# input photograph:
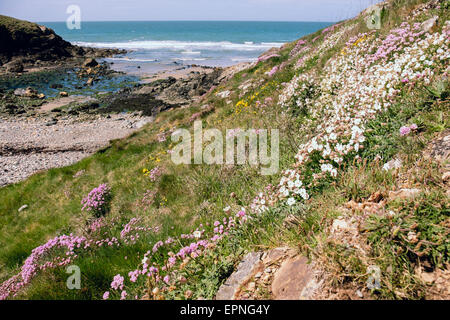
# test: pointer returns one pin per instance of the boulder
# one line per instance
(28, 92)
(89, 63)
(404, 194)
(295, 280)
(249, 266)
(429, 24)
(14, 67)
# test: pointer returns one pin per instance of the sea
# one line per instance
(163, 45)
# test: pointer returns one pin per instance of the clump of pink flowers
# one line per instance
(273, 71)
(97, 201)
(267, 57)
(405, 130)
(154, 174)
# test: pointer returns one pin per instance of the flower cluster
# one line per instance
(153, 174)
(97, 201)
(267, 57)
(405, 130)
(360, 83)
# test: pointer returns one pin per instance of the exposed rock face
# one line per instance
(249, 266)
(22, 38)
(182, 91)
(280, 272)
(26, 43)
(291, 279)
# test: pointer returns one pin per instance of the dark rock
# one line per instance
(51, 123)
(89, 63)
(14, 67)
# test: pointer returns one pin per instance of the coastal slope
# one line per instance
(358, 210)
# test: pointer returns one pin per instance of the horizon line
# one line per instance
(287, 21)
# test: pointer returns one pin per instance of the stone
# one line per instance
(14, 67)
(25, 206)
(291, 279)
(63, 94)
(429, 24)
(90, 82)
(439, 150)
(28, 92)
(223, 94)
(339, 224)
(251, 286)
(273, 256)
(89, 63)
(404, 194)
(248, 267)
(51, 123)
(446, 176)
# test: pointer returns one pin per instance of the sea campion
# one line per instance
(97, 201)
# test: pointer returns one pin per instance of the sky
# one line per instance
(149, 10)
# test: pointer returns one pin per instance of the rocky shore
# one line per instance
(39, 132)
(28, 46)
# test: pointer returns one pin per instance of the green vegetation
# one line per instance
(398, 235)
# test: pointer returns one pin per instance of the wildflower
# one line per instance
(291, 201)
(117, 282)
(166, 279)
(197, 234)
(404, 131)
(106, 295)
(123, 295)
(97, 200)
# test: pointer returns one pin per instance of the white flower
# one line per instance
(291, 201)
(197, 234)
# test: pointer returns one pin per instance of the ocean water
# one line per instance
(156, 46)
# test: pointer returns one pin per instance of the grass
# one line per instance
(189, 195)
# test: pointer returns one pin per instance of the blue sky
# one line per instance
(260, 10)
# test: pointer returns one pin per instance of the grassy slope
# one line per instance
(189, 195)
(16, 25)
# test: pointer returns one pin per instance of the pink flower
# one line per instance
(405, 131)
(124, 295)
(166, 279)
(413, 126)
(273, 71)
(106, 295)
(117, 282)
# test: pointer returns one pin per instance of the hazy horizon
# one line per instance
(188, 10)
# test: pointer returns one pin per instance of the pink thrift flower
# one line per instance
(405, 131)
(106, 295)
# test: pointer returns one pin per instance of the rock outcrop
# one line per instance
(25, 43)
